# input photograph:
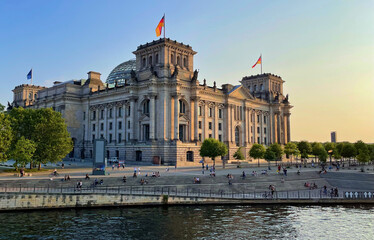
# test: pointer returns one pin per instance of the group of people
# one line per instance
(311, 185)
(66, 178)
(230, 178)
(79, 185)
(118, 166)
(97, 182)
(272, 189)
(143, 181)
(284, 170)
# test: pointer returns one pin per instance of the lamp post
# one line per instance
(330, 153)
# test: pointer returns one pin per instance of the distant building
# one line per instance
(156, 109)
(333, 137)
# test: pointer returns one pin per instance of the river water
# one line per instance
(193, 222)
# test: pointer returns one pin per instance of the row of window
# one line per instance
(255, 89)
(110, 140)
(173, 60)
(210, 112)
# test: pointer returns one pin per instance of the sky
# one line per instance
(324, 50)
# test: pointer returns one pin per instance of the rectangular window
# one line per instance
(251, 118)
(258, 139)
(119, 125)
(200, 124)
(128, 124)
(200, 111)
(128, 136)
(119, 137)
(258, 118)
(146, 132)
(110, 138)
(210, 125)
(93, 138)
(102, 114)
(219, 126)
(120, 112)
(101, 136)
(252, 129)
(84, 115)
(258, 129)
(110, 112)
(220, 137)
(94, 115)
(210, 135)
(128, 110)
(93, 127)
(265, 119)
(200, 137)
(210, 112)
(110, 126)
(220, 113)
(241, 113)
(265, 130)
(102, 126)
(266, 143)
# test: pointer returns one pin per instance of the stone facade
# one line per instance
(163, 113)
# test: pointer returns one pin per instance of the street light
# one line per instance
(330, 153)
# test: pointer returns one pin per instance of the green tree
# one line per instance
(371, 151)
(257, 151)
(47, 129)
(238, 155)
(348, 151)
(319, 150)
(277, 150)
(270, 155)
(213, 148)
(338, 150)
(23, 152)
(363, 156)
(2, 108)
(305, 149)
(6, 136)
(291, 150)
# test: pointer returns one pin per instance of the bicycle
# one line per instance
(267, 195)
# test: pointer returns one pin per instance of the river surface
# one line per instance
(193, 222)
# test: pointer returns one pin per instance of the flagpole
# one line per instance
(31, 76)
(261, 63)
(164, 27)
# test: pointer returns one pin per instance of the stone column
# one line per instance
(205, 121)
(245, 109)
(245, 130)
(232, 129)
(132, 119)
(171, 118)
(262, 127)
(227, 132)
(278, 128)
(176, 117)
(254, 127)
(114, 124)
(152, 117)
(288, 128)
(196, 118)
(215, 122)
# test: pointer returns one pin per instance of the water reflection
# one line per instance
(192, 222)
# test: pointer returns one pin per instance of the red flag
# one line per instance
(159, 26)
(258, 62)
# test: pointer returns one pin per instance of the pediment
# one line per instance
(184, 118)
(144, 118)
(241, 93)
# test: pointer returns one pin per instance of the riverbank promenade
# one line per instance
(260, 185)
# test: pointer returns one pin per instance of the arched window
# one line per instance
(172, 58)
(261, 87)
(35, 95)
(178, 60)
(237, 136)
(249, 87)
(150, 62)
(143, 63)
(146, 107)
(185, 62)
(156, 58)
(255, 88)
(182, 107)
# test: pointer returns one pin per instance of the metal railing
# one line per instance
(185, 192)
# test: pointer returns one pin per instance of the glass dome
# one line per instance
(121, 72)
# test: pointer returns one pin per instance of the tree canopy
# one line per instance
(6, 136)
(277, 150)
(305, 148)
(270, 155)
(23, 152)
(290, 149)
(213, 148)
(46, 129)
(238, 155)
(257, 151)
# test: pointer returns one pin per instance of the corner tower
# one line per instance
(163, 56)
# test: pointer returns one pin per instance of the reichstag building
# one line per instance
(155, 109)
